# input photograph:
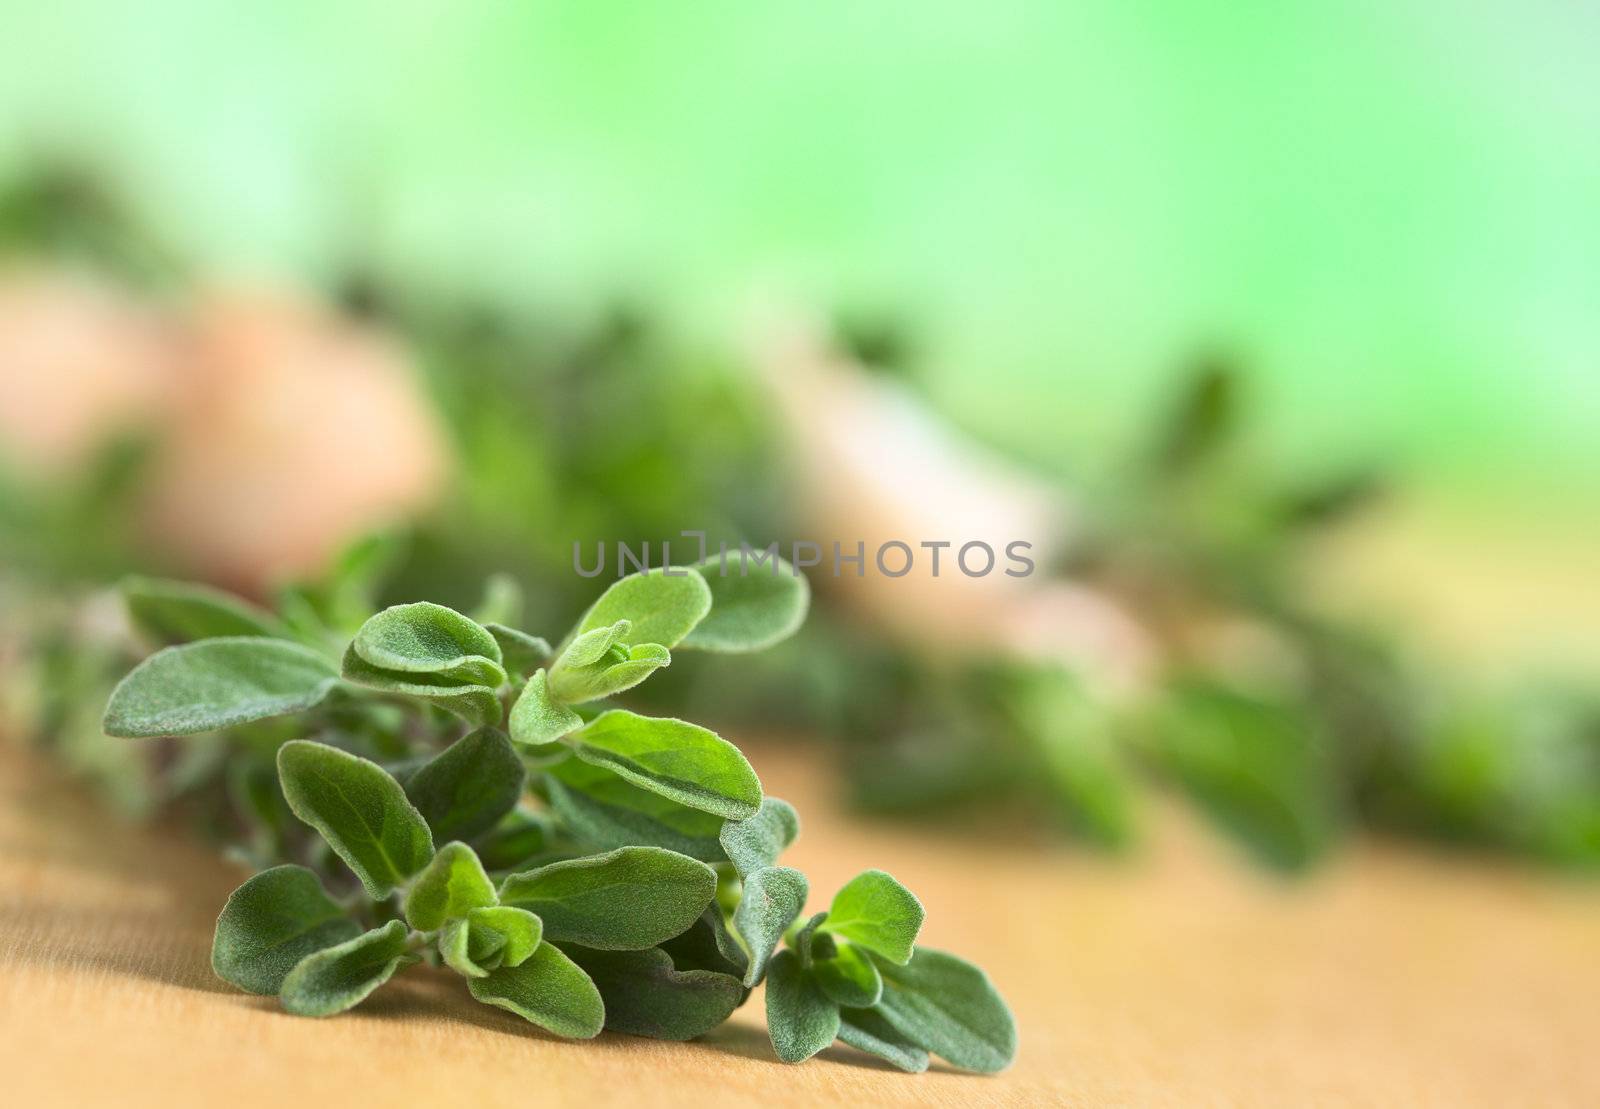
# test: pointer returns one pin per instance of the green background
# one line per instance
(1392, 210)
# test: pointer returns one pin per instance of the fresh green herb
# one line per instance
(593, 869)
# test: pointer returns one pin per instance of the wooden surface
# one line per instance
(1177, 978)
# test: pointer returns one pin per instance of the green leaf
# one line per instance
(752, 606)
(849, 977)
(757, 841)
(772, 900)
(217, 683)
(1258, 767)
(605, 811)
(595, 644)
(520, 652)
(622, 668)
(645, 995)
(519, 837)
(800, 1019)
(501, 603)
(866, 1030)
(334, 979)
(688, 763)
(270, 923)
(537, 718)
(521, 931)
(357, 575)
(548, 989)
(453, 883)
(950, 1007)
(477, 704)
(810, 935)
(425, 638)
(359, 809)
(468, 787)
(470, 952)
(489, 937)
(662, 607)
(878, 913)
(181, 612)
(708, 945)
(630, 898)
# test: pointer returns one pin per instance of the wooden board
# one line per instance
(1179, 978)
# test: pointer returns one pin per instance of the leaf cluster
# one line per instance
(478, 805)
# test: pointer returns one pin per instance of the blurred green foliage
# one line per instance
(619, 428)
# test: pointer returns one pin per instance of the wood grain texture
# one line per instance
(1178, 977)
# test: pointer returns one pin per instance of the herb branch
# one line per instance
(580, 865)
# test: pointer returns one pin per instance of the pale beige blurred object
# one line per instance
(294, 431)
(877, 465)
(80, 362)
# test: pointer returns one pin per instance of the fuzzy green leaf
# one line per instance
(605, 811)
(800, 1019)
(521, 836)
(471, 952)
(359, 809)
(772, 900)
(489, 937)
(453, 884)
(645, 995)
(468, 787)
(181, 612)
(708, 945)
(866, 1030)
(520, 652)
(849, 977)
(521, 931)
(628, 899)
(690, 764)
(477, 704)
(878, 913)
(538, 718)
(501, 603)
(425, 638)
(336, 978)
(621, 668)
(662, 607)
(548, 989)
(217, 683)
(594, 645)
(950, 1007)
(757, 841)
(810, 935)
(270, 923)
(752, 606)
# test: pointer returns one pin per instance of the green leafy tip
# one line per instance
(538, 718)
(880, 914)
(451, 886)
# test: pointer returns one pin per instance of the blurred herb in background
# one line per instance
(1285, 726)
